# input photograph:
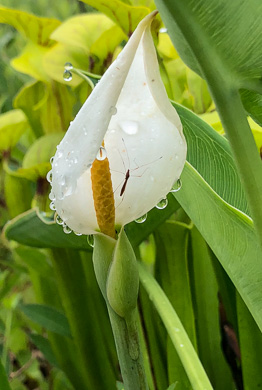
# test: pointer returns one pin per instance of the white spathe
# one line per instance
(129, 110)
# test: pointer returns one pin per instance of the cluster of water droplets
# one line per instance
(67, 75)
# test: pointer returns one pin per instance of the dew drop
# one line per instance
(176, 186)
(162, 204)
(67, 75)
(59, 220)
(113, 110)
(129, 127)
(52, 160)
(77, 234)
(51, 196)
(67, 229)
(163, 30)
(59, 154)
(49, 176)
(52, 206)
(181, 345)
(68, 66)
(90, 240)
(101, 155)
(141, 219)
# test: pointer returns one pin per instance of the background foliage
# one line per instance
(202, 249)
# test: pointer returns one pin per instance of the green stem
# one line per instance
(128, 347)
(187, 354)
(8, 325)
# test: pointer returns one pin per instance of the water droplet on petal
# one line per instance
(67, 229)
(49, 176)
(51, 196)
(51, 160)
(68, 66)
(141, 219)
(67, 75)
(162, 204)
(90, 240)
(78, 234)
(113, 110)
(129, 127)
(101, 155)
(52, 206)
(59, 220)
(176, 186)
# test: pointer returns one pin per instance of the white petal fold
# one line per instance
(129, 110)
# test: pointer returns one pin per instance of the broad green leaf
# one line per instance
(105, 46)
(165, 47)
(81, 31)
(3, 378)
(209, 153)
(126, 16)
(237, 49)
(229, 233)
(251, 347)
(48, 317)
(12, 125)
(229, 59)
(35, 28)
(30, 61)
(41, 235)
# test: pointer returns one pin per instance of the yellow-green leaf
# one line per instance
(35, 28)
(30, 61)
(124, 15)
(12, 125)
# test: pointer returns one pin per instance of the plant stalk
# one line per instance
(127, 342)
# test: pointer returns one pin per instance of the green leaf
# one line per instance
(180, 339)
(35, 28)
(44, 346)
(237, 49)
(3, 378)
(205, 292)
(229, 233)
(12, 125)
(36, 162)
(48, 317)
(87, 41)
(36, 261)
(250, 339)
(18, 194)
(30, 97)
(30, 229)
(126, 16)
(30, 61)
(173, 273)
(209, 153)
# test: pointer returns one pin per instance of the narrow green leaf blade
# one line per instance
(3, 378)
(48, 317)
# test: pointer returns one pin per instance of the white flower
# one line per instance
(130, 112)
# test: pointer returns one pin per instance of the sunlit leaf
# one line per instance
(12, 126)
(35, 28)
(126, 16)
(30, 61)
